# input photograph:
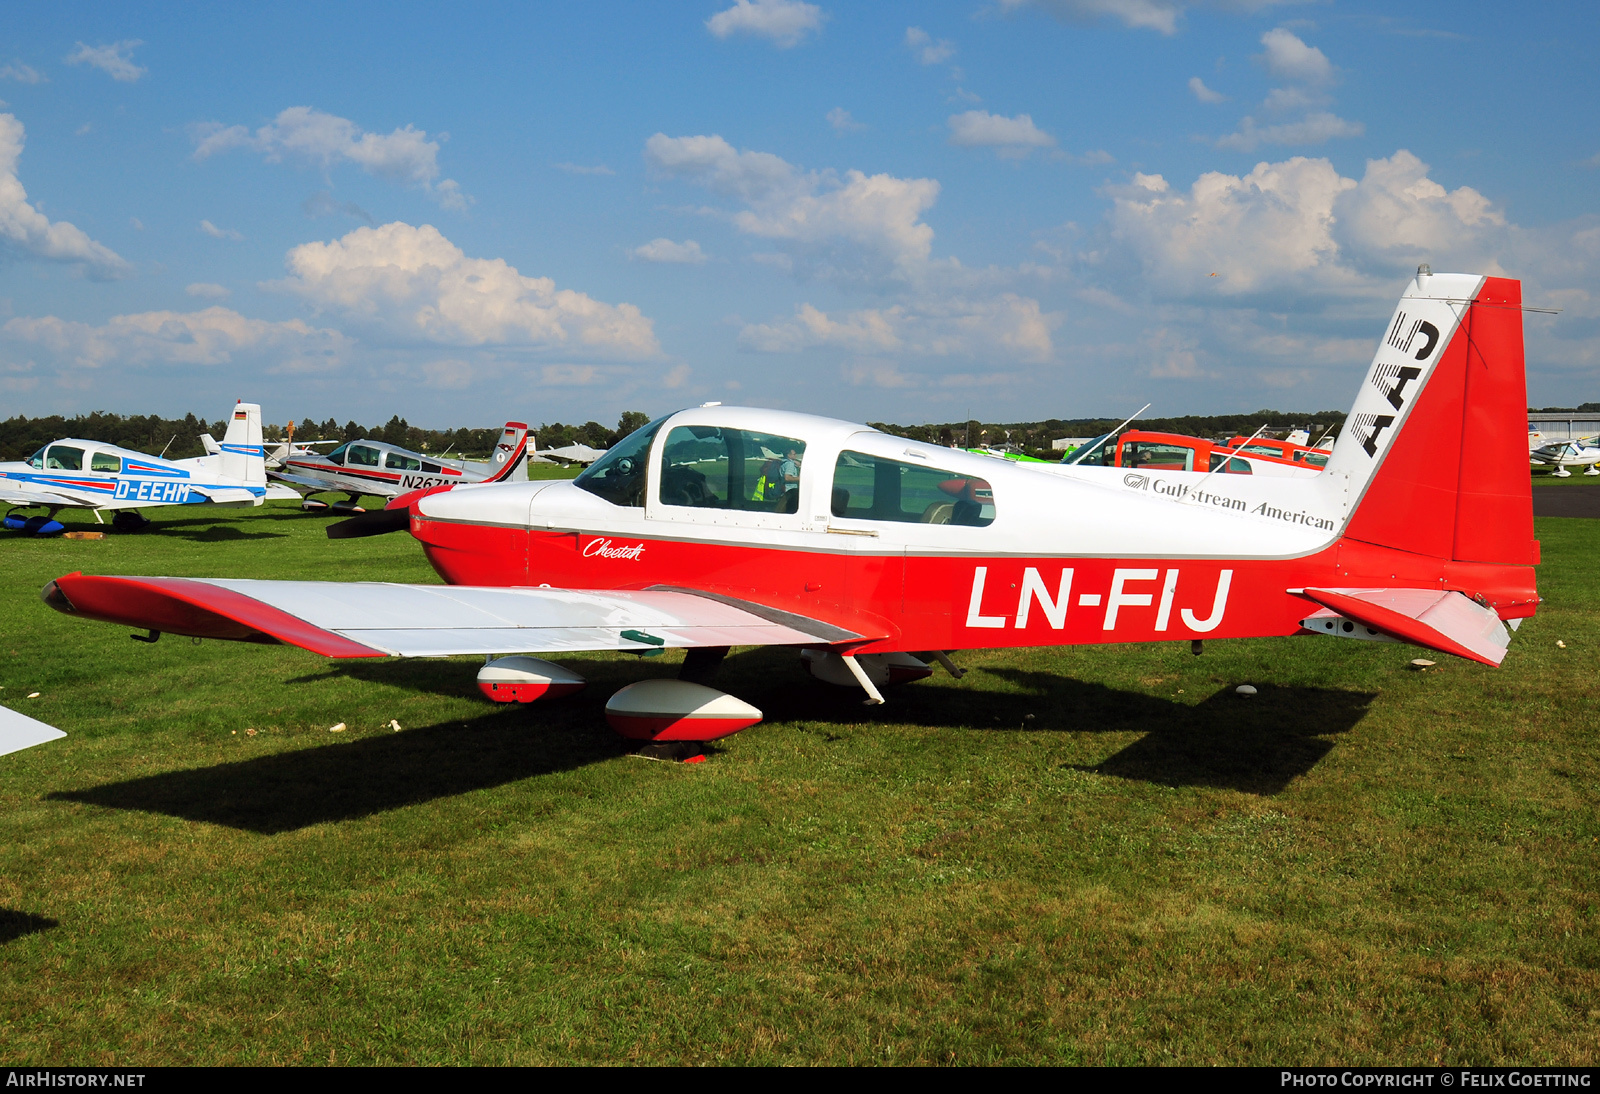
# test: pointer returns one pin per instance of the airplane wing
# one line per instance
(337, 619)
(279, 492)
(18, 731)
(39, 497)
(299, 480)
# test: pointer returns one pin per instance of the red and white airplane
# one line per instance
(722, 526)
(379, 469)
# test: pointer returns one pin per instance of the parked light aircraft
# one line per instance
(1419, 530)
(79, 474)
(1584, 452)
(379, 469)
(1155, 451)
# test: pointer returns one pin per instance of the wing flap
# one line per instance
(373, 620)
(1446, 621)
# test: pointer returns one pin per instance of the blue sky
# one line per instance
(1005, 209)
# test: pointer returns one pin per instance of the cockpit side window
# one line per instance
(712, 467)
(397, 461)
(361, 456)
(106, 462)
(64, 458)
(619, 475)
(873, 488)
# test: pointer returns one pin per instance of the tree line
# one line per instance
(179, 438)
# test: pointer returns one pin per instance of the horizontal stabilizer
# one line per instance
(18, 731)
(336, 619)
(1445, 621)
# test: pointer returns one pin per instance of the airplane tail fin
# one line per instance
(1433, 458)
(210, 445)
(244, 456)
(510, 458)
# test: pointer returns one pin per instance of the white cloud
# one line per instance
(842, 122)
(450, 374)
(1198, 88)
(23, 74)
(209, 337)
(136, 224)
(1157, 15)
(1312, 129)
(1007, 324)
(928, 52)
(83, 130)
(783, 22)
(1009, 137)
(115, 60)
(214, 232)
(1299, 227)
(665, 250)
(25, 230)
(414, 284)
(580, 169)
(846, 226)
(1289, 57)
(207, 291)
(314, 138)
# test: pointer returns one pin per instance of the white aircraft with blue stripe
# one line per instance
(79, 474)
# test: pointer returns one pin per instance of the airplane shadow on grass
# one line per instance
(15, 924)
(1256, 745)
(352, 779)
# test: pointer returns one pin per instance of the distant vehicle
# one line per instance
(80, 474)
(1584, 452)
(369, 468)
(1282, 450)
(1153, 451)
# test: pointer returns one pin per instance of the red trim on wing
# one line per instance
(178, 606)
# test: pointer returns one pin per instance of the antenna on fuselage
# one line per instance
(1109, 436)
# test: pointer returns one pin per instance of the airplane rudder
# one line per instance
(1494, 513)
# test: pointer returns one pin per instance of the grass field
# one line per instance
(1098, 855)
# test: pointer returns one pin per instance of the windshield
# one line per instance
(618, 476)
(36, 461)
(713, 467)
(337, 455)
(1095, 452)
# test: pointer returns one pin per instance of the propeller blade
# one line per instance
(378, 523)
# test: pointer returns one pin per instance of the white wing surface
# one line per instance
(374, 620)
(18, 731)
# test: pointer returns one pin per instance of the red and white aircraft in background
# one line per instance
(379, 469)
(720, 526)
